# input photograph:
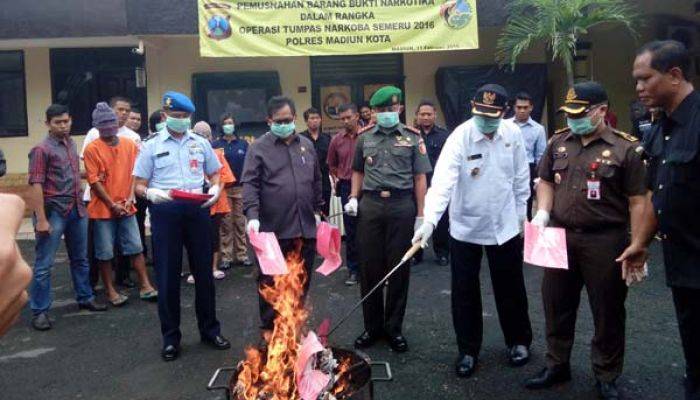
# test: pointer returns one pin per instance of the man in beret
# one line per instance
(177, 158)
(592, 183)
(484, 175)
(389, 167)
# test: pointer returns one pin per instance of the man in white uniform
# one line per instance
(483, 174)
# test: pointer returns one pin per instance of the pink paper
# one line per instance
(323, 331)
(309, 346)
(312, 384)
(545, 247)
(328, 247)
(269, 254)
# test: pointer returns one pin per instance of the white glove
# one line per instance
(253, 225)
(351, 207)
(157, 196)
(215, 192)
(317, 217)
(423, 233)
(540, 219)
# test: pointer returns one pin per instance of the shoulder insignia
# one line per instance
(625, 136)
(412, 129)
(365, 128)
(562, 130)
(557, 134)
(151, 136)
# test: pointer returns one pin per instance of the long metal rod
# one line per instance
(409, 254)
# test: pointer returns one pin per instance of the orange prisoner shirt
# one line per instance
(226, 178)
(113, 167)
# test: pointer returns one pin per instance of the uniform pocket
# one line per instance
(164, 162)
(560, 164)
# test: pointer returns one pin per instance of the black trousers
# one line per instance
(441, 236)
(533, 175)
(308, 255)
(384, 232)
(350, 224)
(687, 303)
(591, 263)
(141, 207)
(506, 266)
(175, 224)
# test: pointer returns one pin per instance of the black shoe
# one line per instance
(366, 340)
(549, 377)
(170, 353)
(218, 342)
(518, 355)
(398, 343)
(41, 322)
(607, 390)
(465, 366)
(443, 261)
(225, 265)
(352, 279)
(92, 305)
(126, 283)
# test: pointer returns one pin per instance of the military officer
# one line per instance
(483, 174)
(592, 183)
(389, 168)
(176, 158)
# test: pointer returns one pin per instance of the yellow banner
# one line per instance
(233, 28)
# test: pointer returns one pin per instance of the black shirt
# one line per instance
(674, 178)
(321, 145)
(282, 186)
(434, 141)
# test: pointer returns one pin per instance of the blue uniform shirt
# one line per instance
(535, 139)
(168, 163)
(234, 152)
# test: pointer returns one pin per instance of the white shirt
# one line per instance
(485, 182)
(93, 134)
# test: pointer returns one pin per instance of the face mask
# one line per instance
(282, 130)
(582, 126)
(228, 129)
(179, 125)
(160, 126)
(486, 125)
(388, 119)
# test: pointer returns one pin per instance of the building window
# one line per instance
(82, 77)
(13, 98)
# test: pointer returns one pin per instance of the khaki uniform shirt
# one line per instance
(613, 160)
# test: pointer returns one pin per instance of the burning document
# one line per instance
(268, 252)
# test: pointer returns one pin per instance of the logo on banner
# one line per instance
(332, 102)
(457, 13)
(218, 25)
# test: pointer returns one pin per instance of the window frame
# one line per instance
(23, 72)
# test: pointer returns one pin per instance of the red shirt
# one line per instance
(340, 154)
(54, 164)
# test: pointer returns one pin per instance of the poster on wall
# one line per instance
(266, 28)
(333, 97)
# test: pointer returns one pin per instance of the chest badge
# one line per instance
(557, 178)
(370, 160)
(561, 149)
(475, 171)
(606, 153)
(303, 149)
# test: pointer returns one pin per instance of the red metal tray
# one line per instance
(191, 197)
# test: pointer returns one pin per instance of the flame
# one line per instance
(273, 377)
(343, 377)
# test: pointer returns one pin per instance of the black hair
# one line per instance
(346, 107)
(525, 96)
(277, 103)
(364, 105)
(426, 102)
(154, 119)
(309, 111)
(668, 54)
(56, 110)
(114, 100)
(135, 110)
(224, 117)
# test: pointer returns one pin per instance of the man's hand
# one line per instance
(15, 274)
(157, 196)
(42, 227)
(351, 207)
(118, 210)
(423, 233)
(215, 192)
(253, 226)
(633, 257)
(540, 219)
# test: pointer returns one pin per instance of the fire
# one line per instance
(343, 381)
(270, 375)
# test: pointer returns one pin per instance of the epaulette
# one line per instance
(151, 136)
(412, 129)
(365, 128)
(558, 133)
(625, 136)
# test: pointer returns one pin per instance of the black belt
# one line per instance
(594, 229)
(389, 193)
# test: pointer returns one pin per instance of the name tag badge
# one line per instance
(474, 157)
(194, 165)
(593, 190)
(161, 155)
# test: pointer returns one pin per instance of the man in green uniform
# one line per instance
(389, 175)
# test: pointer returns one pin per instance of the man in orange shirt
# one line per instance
(108, 163)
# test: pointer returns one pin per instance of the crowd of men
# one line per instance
(470, 191)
